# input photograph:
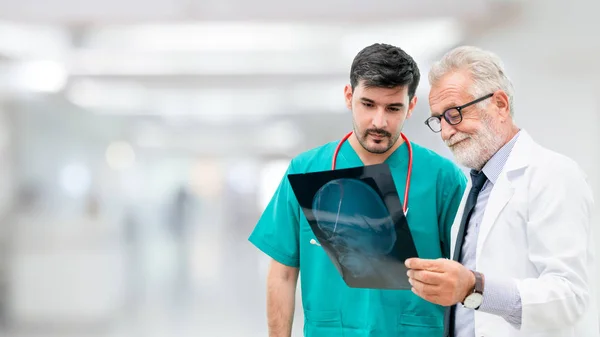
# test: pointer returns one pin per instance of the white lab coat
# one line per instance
(536, 231)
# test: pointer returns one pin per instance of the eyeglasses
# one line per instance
(452, 116)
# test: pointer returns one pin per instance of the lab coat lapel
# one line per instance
(503, 190)
(501, 194)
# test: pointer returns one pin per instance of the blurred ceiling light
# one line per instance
(120, 155)
(244, 48)
(30, 41)
(75, 179)
(209, 36)
(40, 76)
(421, 39)
(124, 62)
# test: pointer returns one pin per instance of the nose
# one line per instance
(447, 130)
(379, 120)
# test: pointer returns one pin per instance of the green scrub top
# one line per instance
(331, 308)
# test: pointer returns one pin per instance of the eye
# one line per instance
(368, 105)
(393, 109)
(453, 114)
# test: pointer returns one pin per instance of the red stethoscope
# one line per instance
(408, 174)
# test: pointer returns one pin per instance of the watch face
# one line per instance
(473, 301)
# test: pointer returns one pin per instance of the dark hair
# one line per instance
(385, 66)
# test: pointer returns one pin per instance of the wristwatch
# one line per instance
(474, 299)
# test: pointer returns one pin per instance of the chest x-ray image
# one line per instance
(357, 217)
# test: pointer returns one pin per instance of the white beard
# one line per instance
(475, 150)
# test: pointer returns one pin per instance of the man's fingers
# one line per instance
(418, 287)
(425, 264)
(423, 290)
(431, 286)
(425, 276)
(433, 298)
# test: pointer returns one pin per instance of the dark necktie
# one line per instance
(477, 181)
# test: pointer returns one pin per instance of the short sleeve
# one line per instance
(276, 233)
(451, 188)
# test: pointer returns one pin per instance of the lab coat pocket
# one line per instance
(323, 323)
(413, 325)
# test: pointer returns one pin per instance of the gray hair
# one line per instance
(486, 69)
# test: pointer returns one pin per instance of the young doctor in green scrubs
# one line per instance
(381, 96)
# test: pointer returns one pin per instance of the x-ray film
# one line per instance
(356, 215)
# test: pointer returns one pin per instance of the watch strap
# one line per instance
(478, 282)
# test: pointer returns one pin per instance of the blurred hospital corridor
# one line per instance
(141, 140)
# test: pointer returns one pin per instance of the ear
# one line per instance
(411, 106)
(348, 96)
(502, 104)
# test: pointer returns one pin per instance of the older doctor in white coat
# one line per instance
(522, 244)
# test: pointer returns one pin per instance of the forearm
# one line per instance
(281, 300)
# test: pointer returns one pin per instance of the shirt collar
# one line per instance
(494, 166)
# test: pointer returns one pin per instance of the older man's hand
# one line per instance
(442, 281)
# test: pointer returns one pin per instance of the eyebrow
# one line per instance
(399, 105)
